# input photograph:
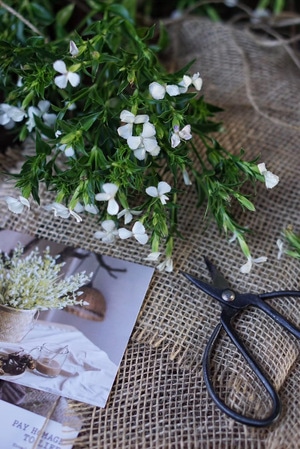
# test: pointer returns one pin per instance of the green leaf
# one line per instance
(42, 14)
(89, 120)
(245, 202)
(64, 15)
(120, 10)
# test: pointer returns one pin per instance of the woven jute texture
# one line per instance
(159, 399)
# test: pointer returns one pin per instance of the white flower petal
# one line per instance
(154, 150)
(112, 207)
(166, 265)
(110, 188)
(262, 168)
(124, 233)
(173, 90)
(246, 268)
(49, 119)
(127, 116)
(280, 245)
(157, 91)
(141, 238)
(175, 140)
(79, 207)
(152, 191)
(197, 81)
(271, 180)
(17, 205)
(91, 209)
(163, 187)
(153, 256)
(44, 106)
(148, 130)
(60, 66)
(16, 114)
(187, 80)
(108, 225)
(73, 48)
(260, 259)
(138, 227)
(142, 118)
(24, 201)
(61, 81)
(125, 131)
(150, 145)
(134, 142)
(186, 178)
(102, 196)
(140, 154)
(74, 79)
(185, 133)
(69, 151)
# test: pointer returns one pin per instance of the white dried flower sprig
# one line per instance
(35, 281)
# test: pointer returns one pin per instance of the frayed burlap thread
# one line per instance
(159, 399)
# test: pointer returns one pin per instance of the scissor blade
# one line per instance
(211, 290)
(218, 279)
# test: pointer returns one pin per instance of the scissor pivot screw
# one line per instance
(228, 295)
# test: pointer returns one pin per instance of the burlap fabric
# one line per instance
(159, 399)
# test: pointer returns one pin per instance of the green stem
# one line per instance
(21, 18)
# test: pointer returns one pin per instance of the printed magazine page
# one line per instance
(22, 428)
(76, 352)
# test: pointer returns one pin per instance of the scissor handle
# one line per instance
(276, 404)
(276, 316)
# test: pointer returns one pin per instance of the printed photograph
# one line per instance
(66, 315)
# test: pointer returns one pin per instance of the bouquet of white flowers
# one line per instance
(114, 131)
(35, 281)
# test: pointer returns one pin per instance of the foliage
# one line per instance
(114, 131)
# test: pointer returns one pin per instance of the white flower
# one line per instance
(88, 208)
(128, 214)
(144, 143)
(280, 245)
(158, 91)
(196, 80)
(186, 178)
(246, 268)
(130, 119)
(62, 211)
(138, 232)
(9, 115)
(259, 14)
(177, 136)
(159, 191)
(153, 256)
(109, 233)
(40, 111)
(166, 265)
(17, 205)
(271, 180)
(73, 48)
(230, 3)
(68, 150)
(62, 80)
(233, 237)
(109, 194)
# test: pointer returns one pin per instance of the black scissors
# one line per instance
(232, 303)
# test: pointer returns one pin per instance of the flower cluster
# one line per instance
(35, 281)
(116, 134)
